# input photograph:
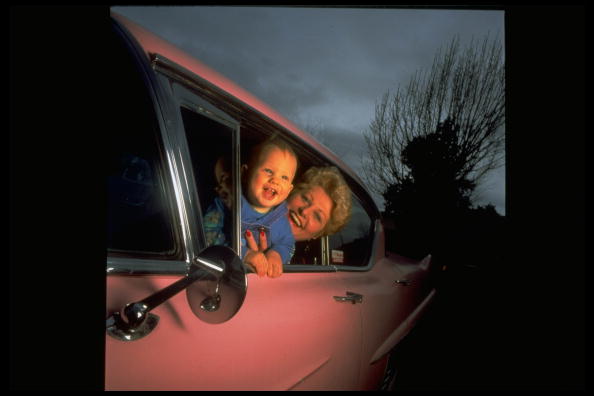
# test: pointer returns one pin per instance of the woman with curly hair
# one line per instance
(320, 203)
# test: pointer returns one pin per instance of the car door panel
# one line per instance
(394, 303)
(289, 334)
(380, 314)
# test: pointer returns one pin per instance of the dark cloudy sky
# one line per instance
(323, 68)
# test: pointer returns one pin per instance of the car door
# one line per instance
(359, 250)
(289, 333)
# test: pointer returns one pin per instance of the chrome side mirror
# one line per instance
(216, 286)
(215, 299)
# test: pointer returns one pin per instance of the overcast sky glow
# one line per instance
(323, 67)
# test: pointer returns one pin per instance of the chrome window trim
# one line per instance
(325, 251)
(292, 268)
(172, 165)
(303, 268)
(134, 266)
(208, 90)
(372, 258)
(185, 97)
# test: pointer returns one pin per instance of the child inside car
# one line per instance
(267, 179)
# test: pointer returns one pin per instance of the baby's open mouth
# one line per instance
(269, 193)
(295, 219)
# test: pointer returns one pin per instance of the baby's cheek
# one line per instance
(284, 195)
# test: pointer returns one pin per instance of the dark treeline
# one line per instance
(430, 211)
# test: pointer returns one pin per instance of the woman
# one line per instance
(319, 205)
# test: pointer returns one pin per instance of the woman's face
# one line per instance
(309, 212)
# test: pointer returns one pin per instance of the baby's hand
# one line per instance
(258, 261)
(275, 264)
(265, 261)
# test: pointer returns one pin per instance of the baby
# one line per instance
(216, 221)
(267, 181)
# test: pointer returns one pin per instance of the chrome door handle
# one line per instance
(352, 297)
(404, 282)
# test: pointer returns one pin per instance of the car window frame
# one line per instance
(372, 230)
(121, 263)
(191, 100)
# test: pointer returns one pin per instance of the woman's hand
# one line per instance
(264, 262)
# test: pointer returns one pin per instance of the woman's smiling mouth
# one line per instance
(295, 219)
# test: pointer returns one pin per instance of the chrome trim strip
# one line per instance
(174, 158)
(163, 112)
(301, 268)
(211, 265)
(236, 163)
(176, 175)
(130, 266)
(188, 78)
(203, 90)
(325, 251)
(189, 99)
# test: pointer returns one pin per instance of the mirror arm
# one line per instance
(216, 264)
(158, 298)
(135, 313)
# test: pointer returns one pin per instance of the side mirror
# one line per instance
(215, 299)
(216, 287)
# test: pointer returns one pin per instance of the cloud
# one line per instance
(326, 65)
(492, 191)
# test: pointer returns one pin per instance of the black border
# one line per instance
(57, 196)
(543, 285)
(56, 209)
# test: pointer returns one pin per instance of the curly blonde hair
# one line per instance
(332, 182)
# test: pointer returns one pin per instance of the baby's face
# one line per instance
(270, 182)
(223, 187)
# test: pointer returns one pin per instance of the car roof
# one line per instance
(150, 43)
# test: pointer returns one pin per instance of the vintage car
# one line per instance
(179, 314)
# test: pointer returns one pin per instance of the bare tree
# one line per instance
(466, 88)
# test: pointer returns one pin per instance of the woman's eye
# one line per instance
(285, 178)
(267, 170)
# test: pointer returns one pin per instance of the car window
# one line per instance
(139, 217)
(352, 245)
(210, 143)
(308, 252)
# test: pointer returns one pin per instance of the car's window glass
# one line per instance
(139, 215)
(308, 252)
(352, 245)
(211, 149)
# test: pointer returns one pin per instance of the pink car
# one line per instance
(180, 315)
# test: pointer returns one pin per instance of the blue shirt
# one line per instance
(216, 224)
(274, 223)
